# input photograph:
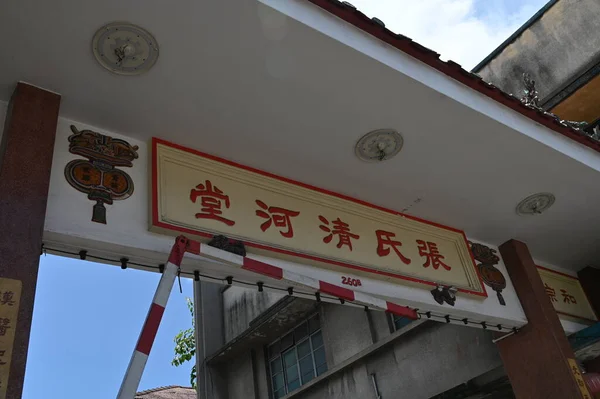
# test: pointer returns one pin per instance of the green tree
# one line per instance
(185, 345)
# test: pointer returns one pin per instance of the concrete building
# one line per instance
(558, 48)
(279, 346)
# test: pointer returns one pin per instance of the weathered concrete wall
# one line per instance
(261, 374)
(241, 306)
(558, 46)
(345, 332)
(354, 382)
(240, 377)
(379, 324)
(209, 324)
(422, 363)
(212, 300)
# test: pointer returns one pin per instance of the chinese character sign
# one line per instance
(585, 393)
(10, 295)
(277, 216)
(200, 195)
(566, 294)
(212, 200)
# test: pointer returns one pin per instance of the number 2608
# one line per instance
(351, 281)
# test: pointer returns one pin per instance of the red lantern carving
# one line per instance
(490, 275)
(98, 177)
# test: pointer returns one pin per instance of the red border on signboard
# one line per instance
(156, 222)
(574, 278)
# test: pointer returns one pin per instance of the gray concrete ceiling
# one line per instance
(248, 84)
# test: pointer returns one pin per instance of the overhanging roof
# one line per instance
(289, 87)
(376, 27)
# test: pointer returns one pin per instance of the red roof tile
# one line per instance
(375, 27)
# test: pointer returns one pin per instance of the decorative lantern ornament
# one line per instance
(98, 177)
(490, 275)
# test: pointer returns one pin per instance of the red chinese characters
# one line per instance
(279, 217)
(551, 292)
(340, 229)
(212, 201)
(568, 298)
(385, 241)
(433, 257)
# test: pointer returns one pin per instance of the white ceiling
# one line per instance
(251, 85)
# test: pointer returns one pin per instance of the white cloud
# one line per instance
(453, 28)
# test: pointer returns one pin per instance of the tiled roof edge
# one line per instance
(376, 28)
(158, 389)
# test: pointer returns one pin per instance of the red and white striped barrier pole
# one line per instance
(134, 372)
(295, 279)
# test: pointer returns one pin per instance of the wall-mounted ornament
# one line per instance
(98, 177)
(443, 294)
(491, 276)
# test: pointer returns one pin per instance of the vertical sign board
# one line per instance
(585, 394)
(202, 195)
(10, 295)
(567, 295)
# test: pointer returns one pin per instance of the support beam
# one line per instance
(209, 336)
(201, 372)
(25, 163)
(537, 358)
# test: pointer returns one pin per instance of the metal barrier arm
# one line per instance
(134, 372)
(298, 280)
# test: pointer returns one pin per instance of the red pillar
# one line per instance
(590, 282)
(25, 163)
(536, 359)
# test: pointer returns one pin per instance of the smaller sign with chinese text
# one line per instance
(10, 295)
(198, 194)
(567, 295)
(585, 393)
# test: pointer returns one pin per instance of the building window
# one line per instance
(398, 322)
(297, 357)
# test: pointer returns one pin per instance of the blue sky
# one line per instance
(464, 31)
(86, 322)
(87, 316)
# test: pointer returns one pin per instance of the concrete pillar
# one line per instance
(209, 336)
(537, 358)
(25, 163)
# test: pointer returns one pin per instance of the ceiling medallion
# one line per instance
(535, 204)
(379, 145)
(124, 48)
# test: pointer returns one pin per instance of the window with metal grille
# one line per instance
(297, 357)
(399, 321)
